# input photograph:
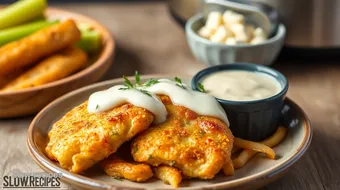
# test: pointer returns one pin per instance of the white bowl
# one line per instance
(212, 53)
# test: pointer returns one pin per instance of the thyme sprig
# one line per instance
(137, 78)
(128, 84)
(179, 82)
(151, 82)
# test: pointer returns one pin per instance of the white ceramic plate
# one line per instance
(257, 173)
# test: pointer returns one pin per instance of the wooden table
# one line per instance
(151, 42)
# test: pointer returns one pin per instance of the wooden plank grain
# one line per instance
(14, 155)
(315, 87)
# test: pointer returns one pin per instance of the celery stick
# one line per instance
(90, 39)
(38, 18)
(15, 33)
(21, 12)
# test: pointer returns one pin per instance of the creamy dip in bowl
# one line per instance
(252, 96)
(241, 85)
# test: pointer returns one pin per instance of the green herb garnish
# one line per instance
(114, 133)
(128, 83)
(145, 92)
(117, 178)
(173, 162)
(151, 82)
(179, 82)
(137, 78)
(135, 149)
(97, 106)
(150, 157)
(201, 87)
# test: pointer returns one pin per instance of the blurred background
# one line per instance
(81, 1)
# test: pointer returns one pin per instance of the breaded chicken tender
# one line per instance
(168, 175)
(28, 50)
(5, 79)
(80, 139)
(55, 67)
(116, 167)
(197, 145)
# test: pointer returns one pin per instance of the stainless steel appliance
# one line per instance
(309, 23)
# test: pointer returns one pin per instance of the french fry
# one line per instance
(30, 49)
(228, 168)
(235, 150)
(258, 147)
(51, 69)
(276, 138)
(168, 175)
(272, 141)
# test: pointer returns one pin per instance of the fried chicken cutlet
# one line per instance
(80, 138)
(197, 145)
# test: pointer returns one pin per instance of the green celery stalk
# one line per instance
(90, 39)
(18, 32)
(21, 12)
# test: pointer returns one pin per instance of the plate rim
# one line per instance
(71, 178)
(107, 52)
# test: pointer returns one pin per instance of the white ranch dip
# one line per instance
(113, 97)
(241, 85)
(201, 103)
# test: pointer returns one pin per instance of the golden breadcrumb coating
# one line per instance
(80, 139)
(168, 175)
(197, 145)
(116, 167)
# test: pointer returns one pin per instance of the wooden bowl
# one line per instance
(31, 100)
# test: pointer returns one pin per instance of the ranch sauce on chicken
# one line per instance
(241, 85)
(114, 96)
(201, 103)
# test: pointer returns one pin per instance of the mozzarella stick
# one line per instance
(58, 66)
(28, 50)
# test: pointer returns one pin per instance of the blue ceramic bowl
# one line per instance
(253, 120)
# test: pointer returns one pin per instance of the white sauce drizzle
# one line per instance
(113, 97)
(201, 103)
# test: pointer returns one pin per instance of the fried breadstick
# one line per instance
(28, 50)
(53, 68)
(4, 80)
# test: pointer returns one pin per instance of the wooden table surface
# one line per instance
(150, 41)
